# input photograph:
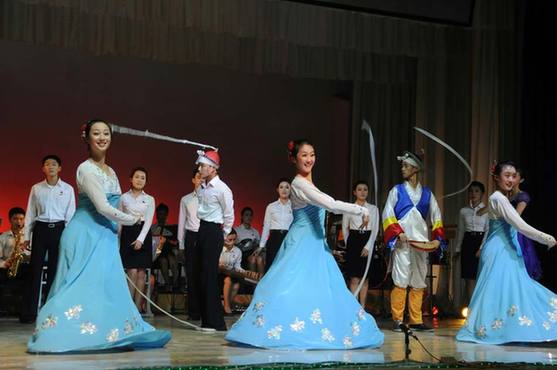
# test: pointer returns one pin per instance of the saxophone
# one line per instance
(17, 256)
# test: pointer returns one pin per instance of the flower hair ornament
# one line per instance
(492, 167)
(291, 146)
(83, 128)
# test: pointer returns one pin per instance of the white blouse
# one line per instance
(278, 216)
(501, 207)
(351, 222)
(96, 184)
(304, 192)
(245, 233)
(469, 220)
(141, 206)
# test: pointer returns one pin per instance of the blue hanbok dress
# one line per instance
(302, 302)
(89, 307)
(507, 304)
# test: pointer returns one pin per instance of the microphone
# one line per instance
(405, 329)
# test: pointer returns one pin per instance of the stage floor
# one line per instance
(189, 347)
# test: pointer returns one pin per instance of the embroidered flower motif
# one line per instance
(552, 316)
(326, 335)
(355, 329)
(298, 325)
(112, 336)
(361, 314)
(524, 320)
(316, 317)
(259, 321)
(546, 325)
(128, 327)
(73, 312)
(553, 302)
(274, 333)
(347, 341)
(497, 324)
(512, 310)
(258, 306)
(49, 322)
(481, 332)
(88, 328)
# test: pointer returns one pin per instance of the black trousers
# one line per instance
(272, 246)
(210, 241)
(193, 273)
(46, 238)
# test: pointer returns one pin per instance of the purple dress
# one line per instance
(529, 254)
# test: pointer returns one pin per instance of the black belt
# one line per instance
(475, 233)
(278, 231)
(51, 225)
(209, 223)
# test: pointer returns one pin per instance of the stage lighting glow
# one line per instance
(464, 312)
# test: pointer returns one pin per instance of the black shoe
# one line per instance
(396, 326)
(420, 327)
(27, 320)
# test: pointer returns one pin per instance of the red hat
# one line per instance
(210, 157)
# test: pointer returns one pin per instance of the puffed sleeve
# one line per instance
(502, 207)
(89, 183)
(317, 198)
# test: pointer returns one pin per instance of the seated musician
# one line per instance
(230, 266)
(13, 274)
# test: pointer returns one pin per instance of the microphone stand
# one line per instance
(407, 334)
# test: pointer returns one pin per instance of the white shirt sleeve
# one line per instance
(71, 207)
(345, 228)
(238, 261)
(434, 210)
(374, 227)
(227, 204)
(182, 223)
(316, 197)
(460, 230)
(90, 185)
(148, 221)
(30, 215)
(266, 227)
(503, 208)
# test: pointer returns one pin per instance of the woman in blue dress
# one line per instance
(302, 301)
(89, 307)
(507, 305)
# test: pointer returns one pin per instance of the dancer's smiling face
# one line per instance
(506, 179)
(99, 138)
(305, 159)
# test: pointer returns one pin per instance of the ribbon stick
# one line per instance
(367, 128)
(455, 153)
(152, 135)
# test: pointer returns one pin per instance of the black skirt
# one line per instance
(132, 258)
(272, 246)
(468, 261)
(355, 263)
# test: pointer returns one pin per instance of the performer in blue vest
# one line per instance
(405, 228)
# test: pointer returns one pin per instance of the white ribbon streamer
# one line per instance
(152, 135)
(367, 128)
(455, 153)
